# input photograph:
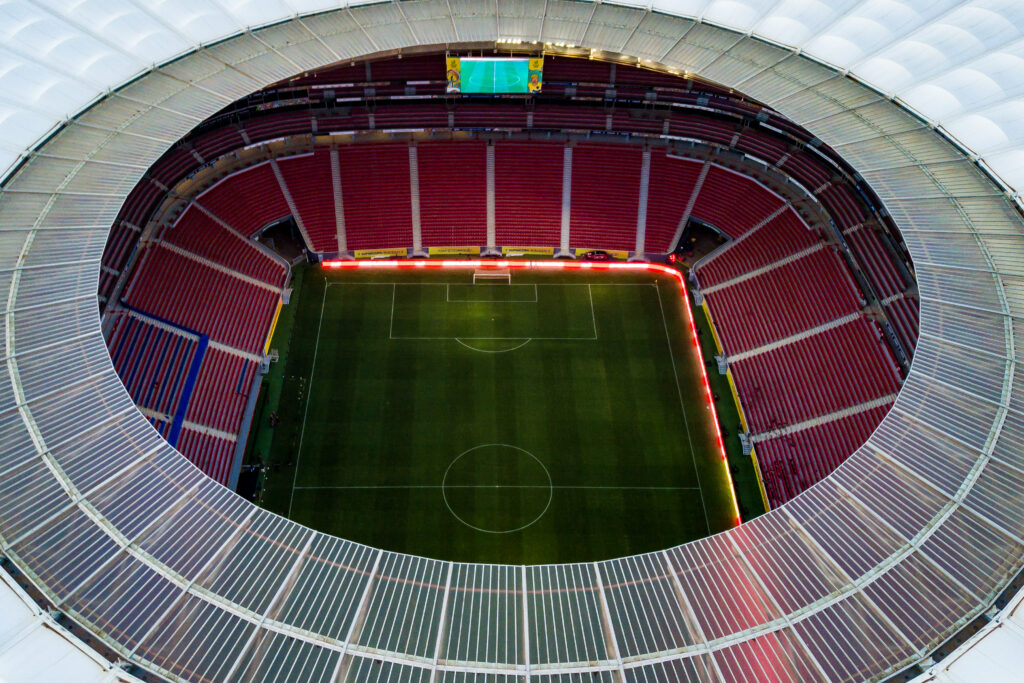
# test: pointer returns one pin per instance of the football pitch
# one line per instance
(558, 418)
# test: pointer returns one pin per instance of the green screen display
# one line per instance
(472, 75)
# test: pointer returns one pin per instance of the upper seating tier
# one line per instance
(192, 294)
(732, 202)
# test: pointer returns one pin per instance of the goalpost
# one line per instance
(499, 275)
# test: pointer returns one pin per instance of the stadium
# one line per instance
(542, 340)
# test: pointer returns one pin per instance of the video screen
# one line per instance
(494, 75)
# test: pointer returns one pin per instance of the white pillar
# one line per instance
(641, 211)
(566, 198)
(414, 192)
(491, 233)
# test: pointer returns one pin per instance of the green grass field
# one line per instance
(561, 418)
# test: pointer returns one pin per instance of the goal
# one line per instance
(493, 275)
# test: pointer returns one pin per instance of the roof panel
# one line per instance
(862, 519)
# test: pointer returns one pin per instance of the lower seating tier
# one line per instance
(732, 202)
(247, 200)
(903, 313)
(826, 372)
(794, 297)
(311, 186)
(784, 235)
(212, 454)
(453, 193)
(791, 463)
(673, 180)
(605, 195)
(152, 360)
(376, 194)
(222, 390)
(192, 294)
(527, 193)
(200, 234)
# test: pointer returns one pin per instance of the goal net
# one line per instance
(492, 275)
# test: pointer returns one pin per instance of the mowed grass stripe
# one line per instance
(387, 416)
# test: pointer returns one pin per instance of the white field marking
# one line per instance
(391, 283)
(682, 406)
(458, 457)
(473, 348)
(391, 319)
(498, 338)
(309, 392)
(567, 487)
(448, 299)
(593, 315)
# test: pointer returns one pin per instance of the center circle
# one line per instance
(497, 488)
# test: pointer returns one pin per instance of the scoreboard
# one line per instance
(494, 75)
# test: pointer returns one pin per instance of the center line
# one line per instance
(502, 486)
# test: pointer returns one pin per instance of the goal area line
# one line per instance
(460, 338)
(448, 294)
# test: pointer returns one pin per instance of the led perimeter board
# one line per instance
(494, 75)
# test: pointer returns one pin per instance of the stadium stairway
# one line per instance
(339, 201)
(825, 419)
(256, 282)
(291, 204)
(415, 199)
(688, 211)
(641, 210)
(761, 270)
(771, 346)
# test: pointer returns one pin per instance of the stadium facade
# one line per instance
(858, 578)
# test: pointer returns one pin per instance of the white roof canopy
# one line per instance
(861, 575)
(959, 65)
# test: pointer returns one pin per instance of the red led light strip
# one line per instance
(574, 265)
